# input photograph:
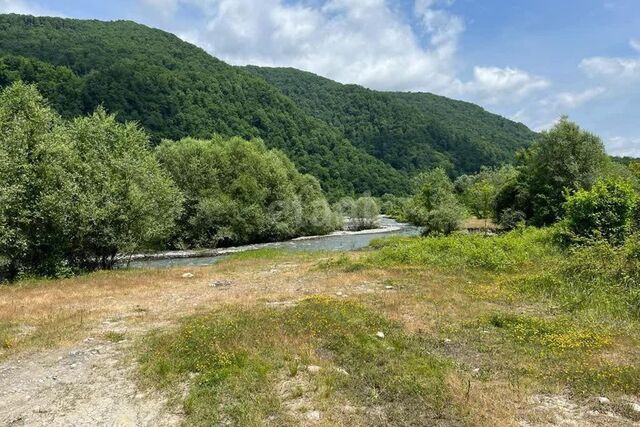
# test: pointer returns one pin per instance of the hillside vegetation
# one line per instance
(176, 90)
(352, 139)
(410, 131)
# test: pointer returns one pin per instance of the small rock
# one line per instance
(389, 287)
(635, 407)
(475, 370)
(447, 340)
(339, 293)
(314, 369)
(187, 275)
(380, 334)
(219, 283)
(342, 371)
(313, 415)
(603, 400)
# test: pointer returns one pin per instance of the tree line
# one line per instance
(565, 179)
(77, 194)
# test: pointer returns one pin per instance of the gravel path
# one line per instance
(87, 385)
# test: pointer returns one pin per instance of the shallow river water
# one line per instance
(332, 242)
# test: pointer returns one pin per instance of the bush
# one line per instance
(237, 191)
(364, 214)
(434, 206)
(74, 195)
(604, 212)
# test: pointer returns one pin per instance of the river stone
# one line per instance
(313, 415)
(313, 369)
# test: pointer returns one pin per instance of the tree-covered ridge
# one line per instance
(410, 131)
(176, 90)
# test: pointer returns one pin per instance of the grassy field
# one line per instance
(460, 330)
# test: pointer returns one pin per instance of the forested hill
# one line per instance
(174, 90)
(410, 131)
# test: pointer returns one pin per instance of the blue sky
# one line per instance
(530, 60)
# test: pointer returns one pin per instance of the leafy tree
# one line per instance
(124, 201)
(604, 212)
(237, 191)
(564, 160)
(364, 214)
(75, 195)
(35, 185)
(434, 205)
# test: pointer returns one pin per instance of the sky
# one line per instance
(529, 60)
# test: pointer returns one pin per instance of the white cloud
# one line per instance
(352, 41)
(25, 8)
(16, 6)
(496, 84)
(570, 100)
(635, 44)
(611, 67)
(623, 146)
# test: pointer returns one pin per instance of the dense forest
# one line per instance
(174, 90)
(410, 131)
(352, 139)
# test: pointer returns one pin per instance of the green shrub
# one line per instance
(604, 212)
(435, 206)
(74, 195)
(505, 252)
(237, 191)
(364, 214)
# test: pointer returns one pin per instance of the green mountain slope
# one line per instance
(174, 90)
(410, 131)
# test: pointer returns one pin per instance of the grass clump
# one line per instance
(468, 252)
(114, 336)
(240, 359)
(6, 335)
(558, 335)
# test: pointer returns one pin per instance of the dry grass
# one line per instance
(493, 380)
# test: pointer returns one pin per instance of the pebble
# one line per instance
(218, 283)
(603, 400)
(187, 275)
(475, 370)
(342, 371)
(635, 407)
(313, 415)
(388, 287)
(380, 334)
(447, 340)
(314, 369)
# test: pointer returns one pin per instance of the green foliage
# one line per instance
(75, 194)
(605, 211)
(434, 205)
(479, 192)
(238, 191)
(505, 252)
(237, 369)
(564, 160)
(177, 90)
(393, 205)
(364, 214)
(410, 131)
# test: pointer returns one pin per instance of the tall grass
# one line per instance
(471, 252)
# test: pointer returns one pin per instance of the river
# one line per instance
(338, 242)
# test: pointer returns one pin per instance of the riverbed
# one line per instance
(338, 241)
